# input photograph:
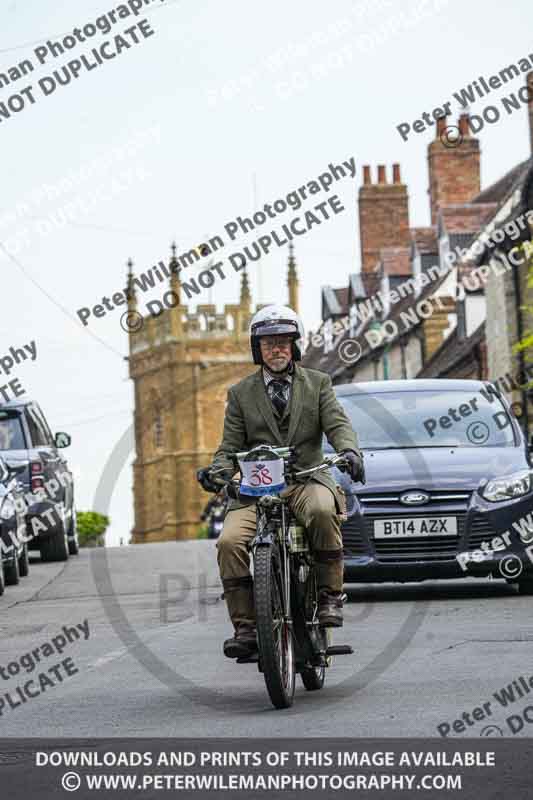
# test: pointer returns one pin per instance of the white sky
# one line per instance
(240, 93)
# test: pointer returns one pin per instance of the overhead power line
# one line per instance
(24, 45)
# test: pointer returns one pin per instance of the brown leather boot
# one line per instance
(330, 573)
(243, 644)
(239, 596)
(330, 609)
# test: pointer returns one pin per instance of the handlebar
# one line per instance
(331, 461)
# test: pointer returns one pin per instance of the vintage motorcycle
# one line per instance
(290, 639)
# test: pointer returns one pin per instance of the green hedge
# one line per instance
(91, 528)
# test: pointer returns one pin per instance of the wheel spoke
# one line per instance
(282, 633)
(277, 625)
(285, 654)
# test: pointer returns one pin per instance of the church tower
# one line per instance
(182, 364)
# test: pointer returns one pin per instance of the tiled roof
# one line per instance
(517, 179)
(499, 191)
(462, 222)
(450, 354)
(425, 240)
(332, 362)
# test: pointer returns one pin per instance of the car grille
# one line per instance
(358, 531)
(480, 531)
(414, 548)
(457, 499)
(352, 539)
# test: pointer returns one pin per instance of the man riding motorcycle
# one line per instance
(214, 514)
(282, 404)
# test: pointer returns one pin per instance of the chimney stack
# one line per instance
(464, 128)
(383, 215)
(454, 175)
(441, 124)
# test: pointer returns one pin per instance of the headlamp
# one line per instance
(508, 487)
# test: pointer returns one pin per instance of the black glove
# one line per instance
(205, 479)
(355, 467)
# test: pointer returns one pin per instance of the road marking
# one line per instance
(114, 654)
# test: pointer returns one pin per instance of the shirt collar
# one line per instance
(271, 376)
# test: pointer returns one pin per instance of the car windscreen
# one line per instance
(11, 433)
(429, 419)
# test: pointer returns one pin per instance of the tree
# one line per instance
(91, 528)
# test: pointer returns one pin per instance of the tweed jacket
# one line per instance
(313, 411)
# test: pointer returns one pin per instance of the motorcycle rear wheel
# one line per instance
(313, 678)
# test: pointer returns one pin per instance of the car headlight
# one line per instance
(508, 487)
(8, 509)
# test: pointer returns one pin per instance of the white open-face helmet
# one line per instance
(273, 321)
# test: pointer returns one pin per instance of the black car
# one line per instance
(48, 483)
(14, 563)
(449, 484)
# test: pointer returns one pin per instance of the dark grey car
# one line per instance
(14, 563)
(449, 484)
(49, 487)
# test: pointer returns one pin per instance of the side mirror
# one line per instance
(62, 440)
(4, 472)
(530, 445)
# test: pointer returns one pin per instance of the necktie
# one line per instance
(278, 388)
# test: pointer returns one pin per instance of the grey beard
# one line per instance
(284, 371)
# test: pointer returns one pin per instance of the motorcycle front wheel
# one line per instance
(274, 634)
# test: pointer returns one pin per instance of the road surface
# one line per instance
(152, 664)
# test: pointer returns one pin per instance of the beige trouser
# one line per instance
(313, 505)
